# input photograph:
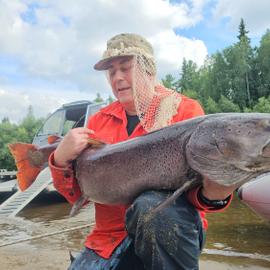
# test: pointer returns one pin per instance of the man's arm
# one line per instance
(60, 162)
(64, 181)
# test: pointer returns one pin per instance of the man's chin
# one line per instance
(125, 96)
(128, 105)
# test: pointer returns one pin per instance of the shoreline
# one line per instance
(25, 257)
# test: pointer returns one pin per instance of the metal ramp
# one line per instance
(14, 204)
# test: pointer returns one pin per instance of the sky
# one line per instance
(48, 47)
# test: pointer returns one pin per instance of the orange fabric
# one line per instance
(110, 126)
(192, 196)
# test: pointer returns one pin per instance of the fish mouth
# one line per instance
(266, 149)
(254, 167)
(261, 164)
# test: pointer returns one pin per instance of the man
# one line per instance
(123, 238)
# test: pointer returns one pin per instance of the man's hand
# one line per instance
(214, 191)
(75, 141)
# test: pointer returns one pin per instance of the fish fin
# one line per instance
(77, 206)
(53, 138)
(26, 171)
(174, 196)
(95, 143)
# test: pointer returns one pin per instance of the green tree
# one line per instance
(263, 105)
(230, 80)
(98, 98)
(30, 124)
(229, 72)
(203, 80)
(5, 120)
(217, 77)
(243, 32)
(211, 106)
(263, 65)
(188, 77)
(225, 105)
(110, 99)
(11, 133)
(243, 56)
(169, 82)
(191, 93)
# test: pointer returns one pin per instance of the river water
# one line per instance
(235, 237)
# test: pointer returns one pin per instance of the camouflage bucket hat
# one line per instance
(125, 45)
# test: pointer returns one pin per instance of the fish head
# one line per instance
(231, 148)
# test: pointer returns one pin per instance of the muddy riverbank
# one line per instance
(236, 239)
(48, 258)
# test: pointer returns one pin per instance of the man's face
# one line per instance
(120, 76)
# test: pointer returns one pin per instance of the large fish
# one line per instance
(229, 149)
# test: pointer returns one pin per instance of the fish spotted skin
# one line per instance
(226, 148)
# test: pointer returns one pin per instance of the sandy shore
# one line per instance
(21, 258)
(45, 259)
(52, 252)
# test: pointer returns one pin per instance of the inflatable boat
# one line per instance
(256, 194)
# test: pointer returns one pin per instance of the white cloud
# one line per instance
(56, 48)
(171, 52)
(254, 13)
(14, 104)
(59, 41)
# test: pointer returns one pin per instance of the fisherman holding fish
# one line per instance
(126, 236)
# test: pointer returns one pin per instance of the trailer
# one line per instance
(7, 175)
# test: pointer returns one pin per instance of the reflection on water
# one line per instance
(236, 236)
(239, 235)
(44, 216)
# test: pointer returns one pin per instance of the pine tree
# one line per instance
(169, 81)
(243, 32)
(263, 65)
(98, 98)
(244, 57)
(189, 76)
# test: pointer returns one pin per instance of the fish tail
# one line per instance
(27, 169)
(77, 206)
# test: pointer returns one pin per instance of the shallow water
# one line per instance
(238, 236)
(235, 237)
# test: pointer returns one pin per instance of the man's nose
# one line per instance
(119, 75)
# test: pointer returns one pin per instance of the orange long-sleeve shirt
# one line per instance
(109, 125)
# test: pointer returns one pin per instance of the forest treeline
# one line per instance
(11, 133)
(236, 79)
